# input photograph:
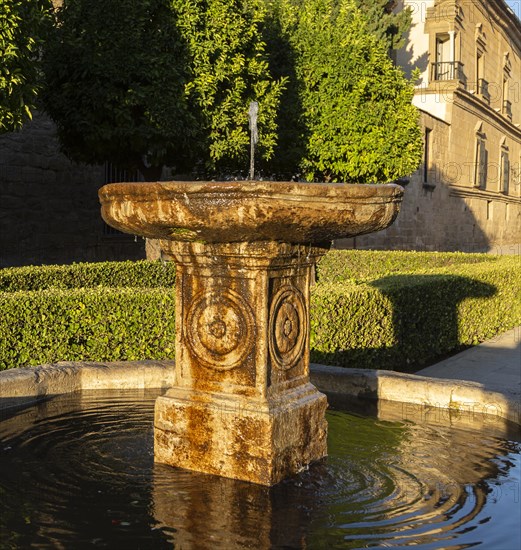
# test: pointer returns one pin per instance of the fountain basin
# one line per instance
(242, 405)
(245, 211)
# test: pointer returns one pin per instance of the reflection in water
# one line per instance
(80, 471)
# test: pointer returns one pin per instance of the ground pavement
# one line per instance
(496, 364)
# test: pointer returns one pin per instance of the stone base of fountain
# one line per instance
(261, 442)
(242, 405)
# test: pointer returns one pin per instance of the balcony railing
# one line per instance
(483, 89)
(448, 70)
(507, 109)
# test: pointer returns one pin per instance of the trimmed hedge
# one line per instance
(139, 274)
(102, 324)
(369, 265)
(364, 311)
(103, 311)
(404, 321)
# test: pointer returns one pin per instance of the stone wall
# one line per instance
(437, 215)
(49, 209)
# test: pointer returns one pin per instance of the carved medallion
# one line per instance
(220, 329)
(288, 327)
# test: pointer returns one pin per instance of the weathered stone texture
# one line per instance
(242, 405)
(261, 441)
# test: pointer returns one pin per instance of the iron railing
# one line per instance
(448, 70)
(115, 174)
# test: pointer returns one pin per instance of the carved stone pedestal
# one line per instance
(242, 406)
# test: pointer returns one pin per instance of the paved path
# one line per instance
(496, 364)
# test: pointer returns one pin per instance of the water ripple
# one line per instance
(80, 471)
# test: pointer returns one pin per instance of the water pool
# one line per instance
(78, 471)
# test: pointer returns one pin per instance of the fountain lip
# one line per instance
(246, 211)
(249, 187)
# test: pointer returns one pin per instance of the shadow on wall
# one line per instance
(49, 207)
(411, 321)
(408, 63)
(433, 218)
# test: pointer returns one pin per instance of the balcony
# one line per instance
(483, 90)
(507, 109)
(447, 70)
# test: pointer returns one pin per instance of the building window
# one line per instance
(504, 172)
(506, 107)
(481, 83)
(489, 210)
(518, 177)
(443, 48)
(427, 157)
(481, 161)
(479, 65)
(446, 67)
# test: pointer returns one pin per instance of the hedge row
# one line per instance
(395, 321)
(140, 274)
(336, 266)
(369, 265)
(102, 324)
(404, 320)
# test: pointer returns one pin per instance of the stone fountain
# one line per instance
(242, 405)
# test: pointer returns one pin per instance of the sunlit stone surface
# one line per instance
(242, 405)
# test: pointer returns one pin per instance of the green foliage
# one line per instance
(410, 310)
(228, 69)
(86, 324)
(23, 24)
(115, 75)
(357, 266)
(153, 82)
(102, 311)
(387, 25)
(348, 109)
(403, 321)
(140, 274)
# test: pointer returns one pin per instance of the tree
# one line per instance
(228, 68)
(351, 115)
(143, 83)
(115, 75)
(23, 24)
(384, 22)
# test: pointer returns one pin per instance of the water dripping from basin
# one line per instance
(79, 471)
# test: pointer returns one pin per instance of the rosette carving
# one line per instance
(288, 327)
(220, 329)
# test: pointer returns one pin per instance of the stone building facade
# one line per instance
(467, 193)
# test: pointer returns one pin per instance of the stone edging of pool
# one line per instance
(424, 396)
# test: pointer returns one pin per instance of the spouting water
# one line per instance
(254, 135)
